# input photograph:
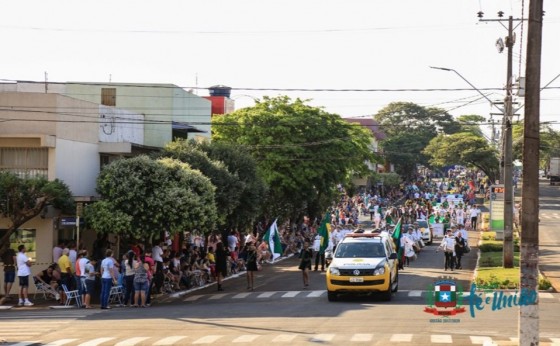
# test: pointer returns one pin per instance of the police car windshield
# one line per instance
(359, 250)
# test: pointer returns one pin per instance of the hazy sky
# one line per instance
(270, 44)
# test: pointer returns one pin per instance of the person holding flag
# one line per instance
(272, 238)
(397, 235)
(320, 245)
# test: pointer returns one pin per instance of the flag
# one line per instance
(397, 234)
(325, 232)
(272, 238)
(431, 219)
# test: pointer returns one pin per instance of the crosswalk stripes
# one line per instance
(288, 339)
(415, 294)
(132, 341)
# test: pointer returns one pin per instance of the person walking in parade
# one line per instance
(448, 247)
(460, 244)
(251, 265)
(305, 255)
(221, 264)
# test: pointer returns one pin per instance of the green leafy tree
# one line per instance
(471, 124)
(549, 143)
(228, 185)
(22, 199)
(409, 128)
(465, 149)
(143, 197)
(302, 152)
(239, 162)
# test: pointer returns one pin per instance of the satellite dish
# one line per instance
(500, 45)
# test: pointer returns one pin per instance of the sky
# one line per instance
(382, 48)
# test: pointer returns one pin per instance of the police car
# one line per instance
(364, 262)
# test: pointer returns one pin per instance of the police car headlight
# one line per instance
(379, 271)
(334, 271)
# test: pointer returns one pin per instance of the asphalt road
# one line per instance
(279, 311)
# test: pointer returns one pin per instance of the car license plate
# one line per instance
(356, 279)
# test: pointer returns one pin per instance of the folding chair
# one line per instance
(75, 294)
(116, 295)
(45, 290)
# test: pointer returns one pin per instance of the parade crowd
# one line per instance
(144, 271)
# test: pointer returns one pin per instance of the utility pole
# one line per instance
(507, 141)
(508, 155)
(529, 275)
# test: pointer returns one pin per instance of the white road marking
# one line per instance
(547, 295)
(441, 339)
(480, 340)
(246, 338)
(170, 340)
(193, 298)
(314, 294)
(241, 295)
(207, 339)
(218, 296)
(361, 337)
(96, 342)
(290, 294)
(132, 341)
(322, 338)
(26, 343)
(60, 342)
(401, 338)
(284, 338)
(415, 293)
(266, 295)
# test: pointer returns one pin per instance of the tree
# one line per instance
(239, 162)
(25, 198)
(302, 152)
(471, 124)
(409, 128)
(465, 149)
(143, 197)
(228, 186)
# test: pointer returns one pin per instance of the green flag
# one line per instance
(397, 234)
(324, 232)
(272, 238)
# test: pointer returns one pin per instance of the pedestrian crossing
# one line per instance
(288, 338)
(306, 294)
(549, 216)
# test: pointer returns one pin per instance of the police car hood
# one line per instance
(358, 262)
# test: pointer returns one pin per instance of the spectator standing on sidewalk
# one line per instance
(90, 282)
(24, 270)
(9, 260)
(108, 278)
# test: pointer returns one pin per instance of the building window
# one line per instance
(109, 96)
(25, 236)
(25, 162)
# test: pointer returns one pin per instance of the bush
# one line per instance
(493, 282)
(496, 246)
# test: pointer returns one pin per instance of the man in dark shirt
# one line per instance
(9, 260)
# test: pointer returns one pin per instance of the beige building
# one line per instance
(72, 130)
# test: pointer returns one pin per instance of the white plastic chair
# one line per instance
(75, 294)
(116, 295)
(44, 289)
